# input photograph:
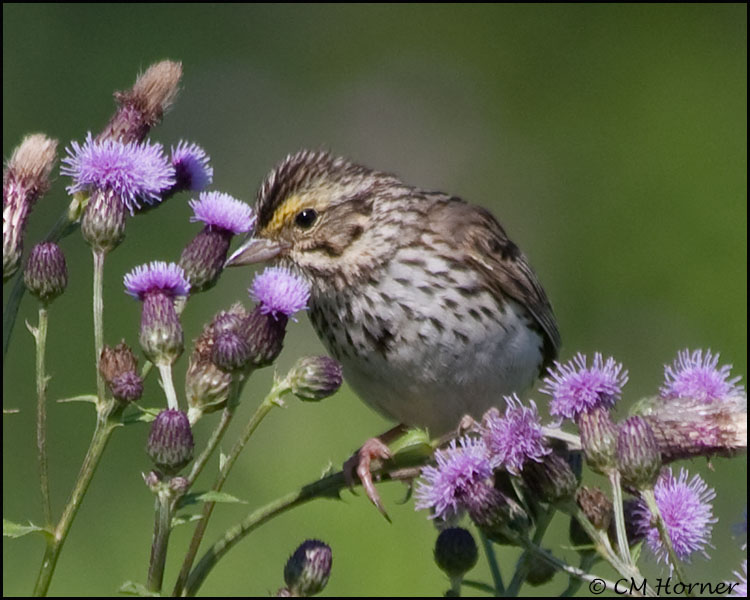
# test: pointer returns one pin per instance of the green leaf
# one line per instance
(415, 442)
(16, 530)
(209, 496)
(178, 520)
(408, 494)
(143, 415)
(478, 585)
(137, 589)
(82, 398)
(635, 551)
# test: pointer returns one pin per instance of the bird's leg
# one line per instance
(466, 425)
(359, 463)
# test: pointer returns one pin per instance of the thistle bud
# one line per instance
(599, 439)
(315, 377)
(307, 570)
(596, 506)
(231, 350)
(455, 552)
(46, 275)
(206, 385)
(498, 515)
(538, 571)
(119, 367)
(551, 480)
(631, 507)
(638, 458)
(170, 443)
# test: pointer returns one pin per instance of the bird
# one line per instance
(433, 312)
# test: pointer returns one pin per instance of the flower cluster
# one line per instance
(701, 410)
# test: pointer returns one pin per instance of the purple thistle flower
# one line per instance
(222, 211)
(157, 284)
(687, 512)
(157, 276)
(192, 168)
(135, 172)
(461, 475)
(575, 388)
(740, 589)
(693, 375)
(515, 438)
(278, 290)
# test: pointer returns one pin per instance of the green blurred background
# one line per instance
(609, 140)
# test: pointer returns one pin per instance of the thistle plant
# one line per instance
(507, 474)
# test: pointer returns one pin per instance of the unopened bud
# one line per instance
(498, 515)
(119, 367)
(315, 377)
(455, 552)
(551, 480)
(638, 457)
(46, 275)
(206, 385)
(307, 570)
(538, 571)
(170, 443)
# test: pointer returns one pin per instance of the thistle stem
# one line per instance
(271, 400)
(99, 321)
(622, 538)
(605, 550)
(104, 428)
(166, 380)
(216, 436)
(650, 498)
(40, 337)
(523, 565)
(162, 528)
(326, 487)
(489, 551)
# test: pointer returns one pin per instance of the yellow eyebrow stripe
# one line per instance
(284, 213)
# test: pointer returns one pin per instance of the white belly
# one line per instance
(434, 365)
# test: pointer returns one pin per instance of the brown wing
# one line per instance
(505, 269)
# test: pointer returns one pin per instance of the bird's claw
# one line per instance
(359, 463)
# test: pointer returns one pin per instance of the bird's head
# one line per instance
(316, 213)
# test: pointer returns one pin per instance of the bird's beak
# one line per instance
(256, 250)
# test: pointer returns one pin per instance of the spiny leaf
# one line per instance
(82, 398)
(209, 496)
(16, 530)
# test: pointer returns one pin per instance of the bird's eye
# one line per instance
(305, 218)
